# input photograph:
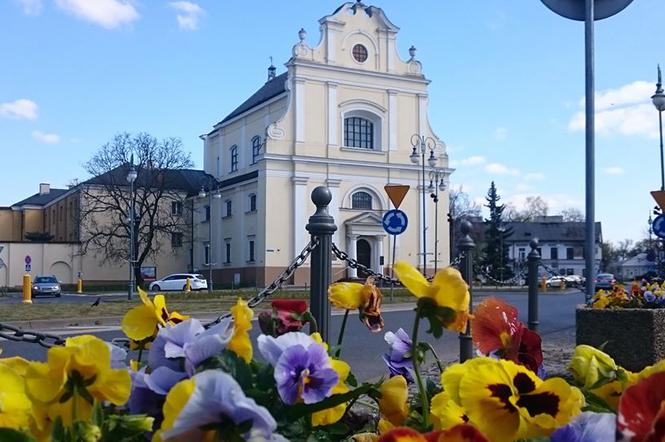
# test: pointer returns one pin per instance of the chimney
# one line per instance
(44, 188)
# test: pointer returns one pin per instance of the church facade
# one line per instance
(343, 115)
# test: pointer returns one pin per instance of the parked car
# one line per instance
(555, 281)
(605, 281)
(178, 281)
(46, 285)
(575, 280)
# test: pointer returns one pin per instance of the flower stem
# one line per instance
(140, 352)
(340, 338)
(416, 369)
(436, 357)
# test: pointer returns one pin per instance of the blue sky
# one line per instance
(506, 93)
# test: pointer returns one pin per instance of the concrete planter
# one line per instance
(635, 338)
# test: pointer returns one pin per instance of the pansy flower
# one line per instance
(446, 413)
(394, 403)
(592, 368)
(447, 290)
(506, 401)
(212, 402)
(496, 330)
(334, 414)
(364, 297)
(400, 357)
(288, 315)
(303, 371)
(587, 427)
(15, 406)
(642, 410)
(459, 433)
(240, 343)
(142, 322)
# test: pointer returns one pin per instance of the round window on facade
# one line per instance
(360, 53)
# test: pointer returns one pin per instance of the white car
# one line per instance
(178, 281)
(555, 281)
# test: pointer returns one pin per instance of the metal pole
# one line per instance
(662, 172)
(466, 246)
(210, 249)
(422, 156)
(590, 243)
(392, 268)
(321, 226)
(533, 260)
(130, 291)
(436, 224)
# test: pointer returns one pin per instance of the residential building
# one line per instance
(343, 116)
(637, 266)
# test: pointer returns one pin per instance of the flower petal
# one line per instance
(412, 279)
(139, 323)
(347, 295)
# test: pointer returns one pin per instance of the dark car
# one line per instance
(46, 285)
(605, 281)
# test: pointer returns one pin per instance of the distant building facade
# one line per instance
(342, 116)
(636, 266)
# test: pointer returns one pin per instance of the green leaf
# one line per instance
(9, 435)
(437, 316)
(97, 414)
(351, 380)
(595, 403)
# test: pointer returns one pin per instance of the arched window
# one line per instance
(234, 158)
(358, 132)
(256, 148)
(361, 200)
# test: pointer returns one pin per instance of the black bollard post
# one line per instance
(466, 246)
(321, 226)
(533, 261)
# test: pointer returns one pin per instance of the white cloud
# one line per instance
(624, 111)
(475, 160)
(188, 15)
(534, 176)
(555, 202)
(500, 134)
(46, 138)
(31, 7)
(523, 187)
(500, 169)
(613, 170)
(19, 109)
(107, 13)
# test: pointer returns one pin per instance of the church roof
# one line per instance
(271, 89)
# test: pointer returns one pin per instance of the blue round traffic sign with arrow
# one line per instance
(659, 226)
(395, 222)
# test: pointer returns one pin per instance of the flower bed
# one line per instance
(191, 382)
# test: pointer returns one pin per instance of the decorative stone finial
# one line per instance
(272, 71)
(412, 52)
(466, 227)
(302, 34)
(321, 196)
(659, 85)
(533, 244)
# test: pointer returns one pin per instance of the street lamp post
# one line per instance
(658, 100)
(211, 193)
(131, 177)
(422, 143)
(436, 184)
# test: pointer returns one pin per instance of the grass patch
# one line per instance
(191, 303)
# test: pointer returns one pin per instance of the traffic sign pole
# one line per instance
(394, 223)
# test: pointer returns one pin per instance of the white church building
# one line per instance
(342, 115)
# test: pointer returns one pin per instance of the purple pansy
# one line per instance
(399, 359)
(587, 427)
(649, 296)
(302, 367)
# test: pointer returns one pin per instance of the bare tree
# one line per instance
(534, 207)
(460, 204)
(572, 214)
(158, 198)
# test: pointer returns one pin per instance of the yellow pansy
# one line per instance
(446, 413)
(332, 415)
(447, 289)
(364, 297)
(84, 362)
(393, 404)
(506, 401)
(15, 406)
(240, 343)
(141, 322)
(591, 367)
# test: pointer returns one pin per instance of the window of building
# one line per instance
(358, 132)
(206, 254)
(252, 202)
(554, 253)
(521, 253)
(217, 168)
(206, 214)
(229, 208)
(256, 149)
(570, 253)
(361, 200)
(540, 251)
(176, 239)
(251, 250)
(227, 251)
(234, 158)
(176, 208)
(359, 53)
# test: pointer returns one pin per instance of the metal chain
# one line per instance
(278, 282)
(17, 334)
(548, 269)
(354, 264)
(521, 275)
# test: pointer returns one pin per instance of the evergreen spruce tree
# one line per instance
(495, 259)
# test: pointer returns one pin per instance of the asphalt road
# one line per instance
(362, 349)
